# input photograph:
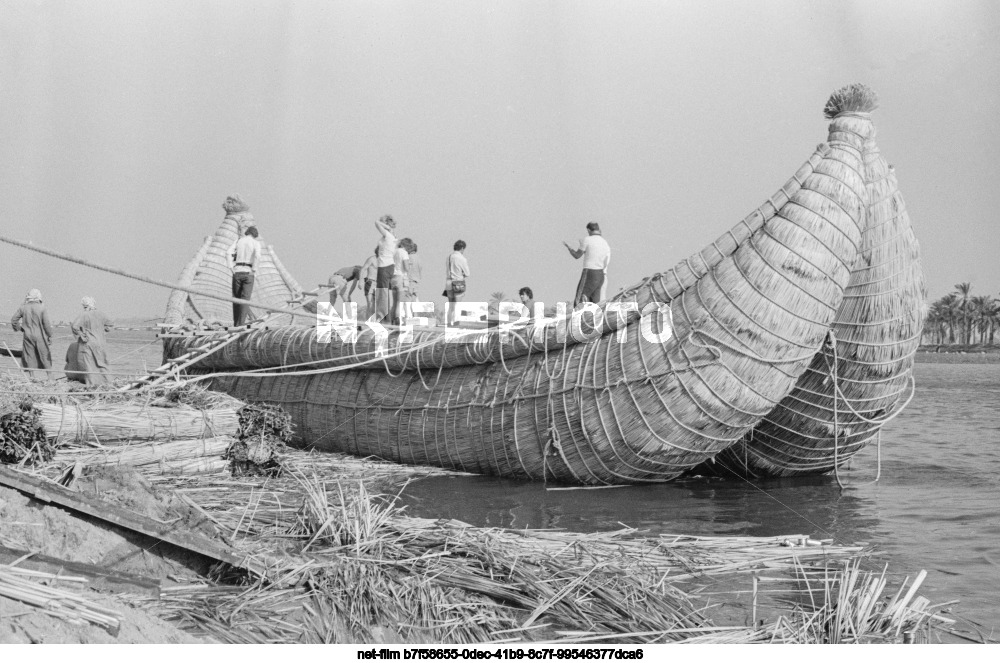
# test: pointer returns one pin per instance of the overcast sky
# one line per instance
(124, 125)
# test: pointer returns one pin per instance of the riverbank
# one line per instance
(322, 552)
(958, 354)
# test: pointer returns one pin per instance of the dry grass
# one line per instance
(347, 565)
(359, 570)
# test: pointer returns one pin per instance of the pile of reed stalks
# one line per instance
(262, 434)
(22, 437)
(187, 457)
(24, 586)
(97, 424)
(853, 609)
(359, 570)
(345, 565)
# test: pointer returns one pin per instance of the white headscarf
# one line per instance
(89, 303)
(34, 295)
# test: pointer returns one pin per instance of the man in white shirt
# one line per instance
(244, 256)
(456, 271)
(369, 271)
(386, 266)
(414, 274)
(596, 255)
(400, 277)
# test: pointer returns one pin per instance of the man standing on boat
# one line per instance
(401, 277)
(596, 255)
(528, 299)
(244, 256)
(369, 271)
(456, 271)
(33, 321)
(338, 282)
(386, 267)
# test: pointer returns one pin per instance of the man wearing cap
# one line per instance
(596, 255)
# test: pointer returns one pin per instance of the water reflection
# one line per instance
(801, 505)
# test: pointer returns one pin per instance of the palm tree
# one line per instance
(994, 318)
(981, 306)
(963, 298)
(949, 310)
(493, 307)
(936, 322)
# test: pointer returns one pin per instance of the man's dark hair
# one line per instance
(593, 226)
(459, 245)
(252, 231)
(526, 291)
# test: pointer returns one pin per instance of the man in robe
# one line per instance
(33, 321)
(91, 357)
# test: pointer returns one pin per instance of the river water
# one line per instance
(936, 506)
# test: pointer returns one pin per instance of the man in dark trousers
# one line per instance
(596, 255)
(244, 256)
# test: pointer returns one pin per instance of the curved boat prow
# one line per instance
(864, 377)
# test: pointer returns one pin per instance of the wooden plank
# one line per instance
(97, 577)
(48, 491)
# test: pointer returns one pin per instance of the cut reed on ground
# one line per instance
(361, 571)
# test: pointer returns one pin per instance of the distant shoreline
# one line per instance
(958, 354)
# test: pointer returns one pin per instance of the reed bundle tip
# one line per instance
(853, 98)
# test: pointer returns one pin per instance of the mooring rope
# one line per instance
(151, 281)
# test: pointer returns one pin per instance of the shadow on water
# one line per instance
(810, 505)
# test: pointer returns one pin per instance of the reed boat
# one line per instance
(669, 374)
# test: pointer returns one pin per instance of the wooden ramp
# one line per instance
(215, 340)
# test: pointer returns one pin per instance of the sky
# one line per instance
(510, 125)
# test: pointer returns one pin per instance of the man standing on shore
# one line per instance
(596, 255)
(89, 363)
(244, 256)
(33, 321)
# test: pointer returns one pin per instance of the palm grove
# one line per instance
(959, 318)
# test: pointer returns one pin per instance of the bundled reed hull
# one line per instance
(851, 388)
(290, 345)
(746, 319)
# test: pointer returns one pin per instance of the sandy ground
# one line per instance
(23, 624)
(26, 524)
